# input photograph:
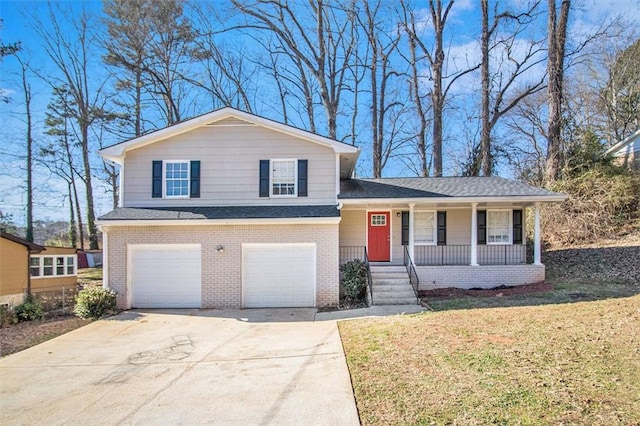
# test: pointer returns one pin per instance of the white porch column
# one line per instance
(411, 206)
(474, 234)
(537, 254)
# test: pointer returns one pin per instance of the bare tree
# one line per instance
(325, 49)
(557, 37)
(382, 46)
(499, 94)
(441, 82)
(70, 53)
(28, 99)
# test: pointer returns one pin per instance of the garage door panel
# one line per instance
(166, 276)
(279, 275)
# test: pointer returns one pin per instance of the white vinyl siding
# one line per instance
(424, 227)
(499, 226)
(229, 174)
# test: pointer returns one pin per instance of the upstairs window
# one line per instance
(283, 178)
(176, 179)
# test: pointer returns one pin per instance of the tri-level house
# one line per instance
(234, 210)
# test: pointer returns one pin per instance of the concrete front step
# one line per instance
(383, 275)
(392, 287)
(392, 281)
(390, 269)
(394, 301)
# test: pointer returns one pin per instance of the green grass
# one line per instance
(575, 363)
(90, 276)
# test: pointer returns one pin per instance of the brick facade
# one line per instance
(222, 271)
(486, 276)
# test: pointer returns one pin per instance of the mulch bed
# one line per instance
(17, 337)
(454, 293)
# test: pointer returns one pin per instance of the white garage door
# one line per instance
(165, 276)
(278, 275)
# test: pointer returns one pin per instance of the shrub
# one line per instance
(95, 302)
(7, 316)
(30, 310)
(602, 203)
(354, 278)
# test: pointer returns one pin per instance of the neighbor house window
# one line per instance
(424, 227)
(498, 226)
(34, 266)
(176, 178)
(47, 267)
(283, 177)
(52, 266)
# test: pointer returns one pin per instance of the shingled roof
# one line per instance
(230, 212)
(441, 187)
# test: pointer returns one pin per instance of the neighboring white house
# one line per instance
(234, 210)
(627, 151)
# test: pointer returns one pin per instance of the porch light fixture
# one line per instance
(220, 249)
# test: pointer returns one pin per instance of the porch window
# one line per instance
(283, 178)
(176, 175)
(424, 227)
(498, 226)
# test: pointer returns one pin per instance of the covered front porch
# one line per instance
(470, 245)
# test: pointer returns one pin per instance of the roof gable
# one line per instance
(224, 117)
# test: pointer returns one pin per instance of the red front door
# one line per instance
(378, 244)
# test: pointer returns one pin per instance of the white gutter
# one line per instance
(202, 222)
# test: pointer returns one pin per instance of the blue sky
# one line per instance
(51, 204)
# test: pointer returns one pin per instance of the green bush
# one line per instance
(7, 316)
(354, 278)
(30, 310)
(95, 302)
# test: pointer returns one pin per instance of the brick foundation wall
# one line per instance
(222, 272)
(486, 276)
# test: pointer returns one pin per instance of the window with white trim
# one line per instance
(284, 178)
(34, 266)
(378, 220)
(424, 227)
(53, 266)
(176, 179)
(499, 227)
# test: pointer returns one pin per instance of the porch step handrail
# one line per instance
(413, 275)
(369, 279)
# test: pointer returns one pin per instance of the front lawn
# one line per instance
(576, 363)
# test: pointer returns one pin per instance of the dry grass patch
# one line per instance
(557, 364)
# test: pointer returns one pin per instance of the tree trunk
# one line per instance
(485, 136)
(27, 101)
(557, 28)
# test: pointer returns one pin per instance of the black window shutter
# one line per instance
(195, 180)
(156, 179)
(405, 228)
(442, 228)
(303, 165)
(482, 227)
(517, 227)
(264, 178)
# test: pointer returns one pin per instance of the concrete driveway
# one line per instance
(250, 367)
